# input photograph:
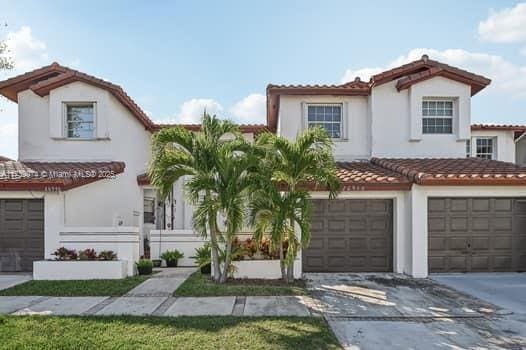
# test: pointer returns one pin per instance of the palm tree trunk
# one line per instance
(215, 254)
(282, 261)
(228, 258)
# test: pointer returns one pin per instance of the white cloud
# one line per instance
(27, 51)
(507, 77)
(191, 111)
(504, 26)
(523, 51)
(250, 109)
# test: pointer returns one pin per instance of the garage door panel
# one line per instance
(503, 223)
(437, 224)
(480, 224)
(336, 243)
(21, 233)
(459, 224)
(336, 225)
(436, 205)
(481, 234)
(503, 205)
(356, 236)
(459, 205)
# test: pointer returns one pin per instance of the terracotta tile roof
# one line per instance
(245, 128)
(367, 176)
(143, 179)
(498, 127)
(51, 176)
(426, 68)
(453, 171)
(47, 78)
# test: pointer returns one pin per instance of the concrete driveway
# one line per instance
(507, 290)
(11, 280)
(377, 311)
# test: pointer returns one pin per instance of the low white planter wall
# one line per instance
(122, 240)
(79, 270)
(263, 269)
(185, 241)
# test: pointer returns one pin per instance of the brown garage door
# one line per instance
(21, 233)
(350, 235)
(477, 234)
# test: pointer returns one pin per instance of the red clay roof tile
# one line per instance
(455, 171)
(53, 176)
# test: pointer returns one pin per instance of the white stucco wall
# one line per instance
(505, 143)
(357, 143)
(397, 120)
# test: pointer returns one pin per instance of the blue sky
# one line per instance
(175, 57)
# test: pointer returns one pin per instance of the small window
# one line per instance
(149, 210)
(468, 148)
(80, 120)
(437, 117)
(327, 116)
(485, 147)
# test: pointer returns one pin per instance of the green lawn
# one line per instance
(198, 285)
(156, 333)
(76, 288)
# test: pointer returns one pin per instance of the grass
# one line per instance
(156, 333)
(75, 288)
(199, 285)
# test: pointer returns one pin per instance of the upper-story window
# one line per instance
(481, 147)
(485, 147)
(437, 117)
(328, 116)
(79, 120)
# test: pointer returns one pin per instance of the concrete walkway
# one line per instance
(158, 306)
(154, 297)
(12, 279)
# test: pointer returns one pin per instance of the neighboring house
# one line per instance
(499, 142)
(4, 159)
(411, 202)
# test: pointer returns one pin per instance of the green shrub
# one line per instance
(171, 257)
(202, 257)
(144, 266)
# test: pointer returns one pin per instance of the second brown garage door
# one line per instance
(21, 233)
(477, 234)
(350, 235)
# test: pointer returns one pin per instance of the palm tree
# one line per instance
(178, 152)
(282, 201)
(229, 186)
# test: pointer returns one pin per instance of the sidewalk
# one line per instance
(154, 297)
(158, 306)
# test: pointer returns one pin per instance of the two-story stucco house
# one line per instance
(411, 201)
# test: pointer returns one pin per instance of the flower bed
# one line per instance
(79, 269)
(82, 265)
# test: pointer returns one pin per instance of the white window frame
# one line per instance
(343, 117)
(65, 119)
(452, 116)
(473, 146)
